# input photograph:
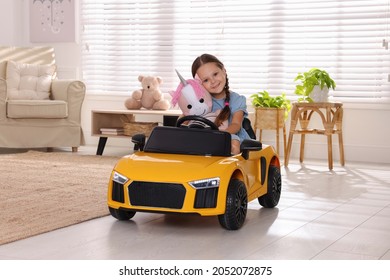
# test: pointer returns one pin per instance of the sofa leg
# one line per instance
(74, 149)
(49, 149)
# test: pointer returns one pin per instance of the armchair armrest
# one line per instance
(72, 92)
(3, 98)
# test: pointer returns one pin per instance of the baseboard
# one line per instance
(352, 153)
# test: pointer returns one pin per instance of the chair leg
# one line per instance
(302, 149)
(330, 153)
(284, 141)
(289, 143)
(277, 141)
(341, 147)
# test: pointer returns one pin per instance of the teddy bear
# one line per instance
(149, 97)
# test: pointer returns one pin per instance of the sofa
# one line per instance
(37, 109)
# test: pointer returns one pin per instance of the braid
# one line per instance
(225, 113)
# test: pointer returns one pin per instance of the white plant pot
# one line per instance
(319, 95)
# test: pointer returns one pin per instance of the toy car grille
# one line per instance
(152, 194)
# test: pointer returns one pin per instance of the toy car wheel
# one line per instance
(274, 188)
(236, 206)
(121, 214)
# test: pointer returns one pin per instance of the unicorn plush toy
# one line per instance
(193, 99)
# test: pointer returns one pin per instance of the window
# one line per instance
(263, 44)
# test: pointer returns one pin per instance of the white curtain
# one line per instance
(263, 44)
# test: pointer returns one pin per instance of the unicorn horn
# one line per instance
(182, 80)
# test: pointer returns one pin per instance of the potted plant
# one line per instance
(314, 85)
(271, 113)
(264, 100)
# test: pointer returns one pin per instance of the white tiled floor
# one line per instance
(322, 214)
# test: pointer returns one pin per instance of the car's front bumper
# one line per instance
(164, 197)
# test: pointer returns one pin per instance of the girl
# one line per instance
(212, 74)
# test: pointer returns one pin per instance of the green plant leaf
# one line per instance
(309, 79)
(264, 99)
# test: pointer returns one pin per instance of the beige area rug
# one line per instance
(40, 192)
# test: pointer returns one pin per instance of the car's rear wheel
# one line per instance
(274, 188)
(121, 214)
(236, 206)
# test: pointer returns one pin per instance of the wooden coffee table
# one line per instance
(114, 118)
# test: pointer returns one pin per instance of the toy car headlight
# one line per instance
(119, 178)
(205, 183)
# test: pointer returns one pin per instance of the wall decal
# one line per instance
(52, 21)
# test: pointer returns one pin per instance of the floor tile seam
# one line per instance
(384, 254)
(349, 232)
(277, 239)
(372, 216)
(287, 234)
(346, 252)
(331, 243)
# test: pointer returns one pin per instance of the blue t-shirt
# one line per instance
(237, 103)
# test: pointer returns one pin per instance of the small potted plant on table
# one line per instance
(271, 113)
(314, 85)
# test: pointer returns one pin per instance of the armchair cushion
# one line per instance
(29, 81)
(37, 109)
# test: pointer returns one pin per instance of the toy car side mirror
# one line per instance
(249, 145)
(139, 141)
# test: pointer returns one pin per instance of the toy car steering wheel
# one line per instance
(203, 120)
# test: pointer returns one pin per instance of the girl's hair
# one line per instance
(208, 58)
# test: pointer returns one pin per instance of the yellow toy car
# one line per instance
(191, 170)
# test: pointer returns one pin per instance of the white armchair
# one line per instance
(34, 122)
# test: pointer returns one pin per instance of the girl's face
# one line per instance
(213, 79)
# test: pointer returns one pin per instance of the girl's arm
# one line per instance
(235, 125)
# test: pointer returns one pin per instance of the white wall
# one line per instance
(14, 30)
(366, 131)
